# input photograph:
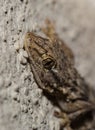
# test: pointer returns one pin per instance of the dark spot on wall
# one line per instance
(23, 20)
(5, 12)
(5, 40)
(11, 8)
(21, 0)
(20, 30)
(7, 22)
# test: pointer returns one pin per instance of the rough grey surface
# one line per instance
(22, 104)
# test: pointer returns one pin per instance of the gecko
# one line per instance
(52, 64)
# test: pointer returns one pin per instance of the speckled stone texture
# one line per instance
(22, 104)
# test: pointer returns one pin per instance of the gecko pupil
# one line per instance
(48, 63)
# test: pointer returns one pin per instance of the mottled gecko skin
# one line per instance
(52, 64)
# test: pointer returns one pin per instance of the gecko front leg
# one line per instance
(65, 121)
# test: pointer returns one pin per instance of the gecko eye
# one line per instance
(48, 63)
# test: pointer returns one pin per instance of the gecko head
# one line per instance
(40, 51)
